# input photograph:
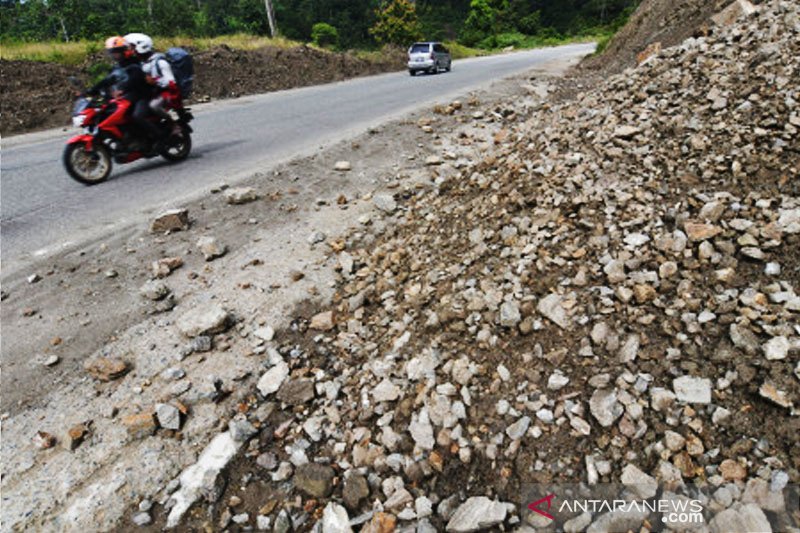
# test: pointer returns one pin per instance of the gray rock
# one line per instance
(386, 391)
(777, 348)
(477, 513)
(744, 338)
(385, 203)
(638, 482)
(509, 314)
(740, 517)
(578, 524)
(557, 381)
(619, 521)
(142, 519)
(314, 479)
(154, 290)
(342, 166)
(169, 417)
(550, 307)
(240, 195)
(518, 429)
(630, 349)
(211, 248)
(421, 429)
(205, 320)
(267, 460)
(273, 378)
(691, 389)
(283, 523)
(423, 507)
(316, 238)
(335, 519)
(604, 406)
(241, 430)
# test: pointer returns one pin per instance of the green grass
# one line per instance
(75, 53)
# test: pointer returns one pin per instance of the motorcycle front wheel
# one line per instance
(178, 147)
(89, 167)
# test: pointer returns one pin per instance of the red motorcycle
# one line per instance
(88, 157)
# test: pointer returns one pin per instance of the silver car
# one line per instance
(428, 57)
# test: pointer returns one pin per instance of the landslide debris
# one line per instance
(611, 295)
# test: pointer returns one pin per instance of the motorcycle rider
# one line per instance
(126, 83)
(158, 73)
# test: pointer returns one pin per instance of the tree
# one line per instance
(397, 23)
(324, 35)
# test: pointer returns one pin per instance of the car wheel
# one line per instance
(412, 72)
(449, 66)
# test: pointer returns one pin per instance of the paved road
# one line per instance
(43, 211)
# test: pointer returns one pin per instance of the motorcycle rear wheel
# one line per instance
(89, 167)
(178, 148)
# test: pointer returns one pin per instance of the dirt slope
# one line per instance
(667, 22)
(36, 95)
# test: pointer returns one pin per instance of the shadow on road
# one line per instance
(197, 153)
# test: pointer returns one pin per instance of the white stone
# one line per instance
(335, 519)
(477, 513)
(386, 391)
(691, 389)
(550, 307)
(517, 429)
(212, 460)
(777, 348)
(273, 378)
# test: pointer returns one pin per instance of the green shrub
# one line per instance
(325, 35)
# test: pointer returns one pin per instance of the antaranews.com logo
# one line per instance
(616, 507)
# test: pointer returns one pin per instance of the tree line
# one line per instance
(338, 23)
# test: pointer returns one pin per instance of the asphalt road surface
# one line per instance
(43, 211)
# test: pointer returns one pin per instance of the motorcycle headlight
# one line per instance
(77, 121)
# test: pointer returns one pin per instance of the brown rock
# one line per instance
(106, 368)
(731, 470)
(323, 321)
(314, 479)
(164, 267)
(354, 491)
(173, 220)
(644, 293)
(296, 391)
(778, 397)
(44, 440)
(140, 425)
(380, 523)
(697, 231)
(75, 436)
(651, 50)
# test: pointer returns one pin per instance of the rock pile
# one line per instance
(612, 295)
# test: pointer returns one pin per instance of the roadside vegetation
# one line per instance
(67, 31)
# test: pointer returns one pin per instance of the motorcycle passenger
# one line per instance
(127, 85)
(158, 73)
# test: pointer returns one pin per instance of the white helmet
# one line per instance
(142, 43)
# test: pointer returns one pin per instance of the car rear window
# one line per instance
(420, 48)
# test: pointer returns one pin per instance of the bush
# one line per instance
(325, 35)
